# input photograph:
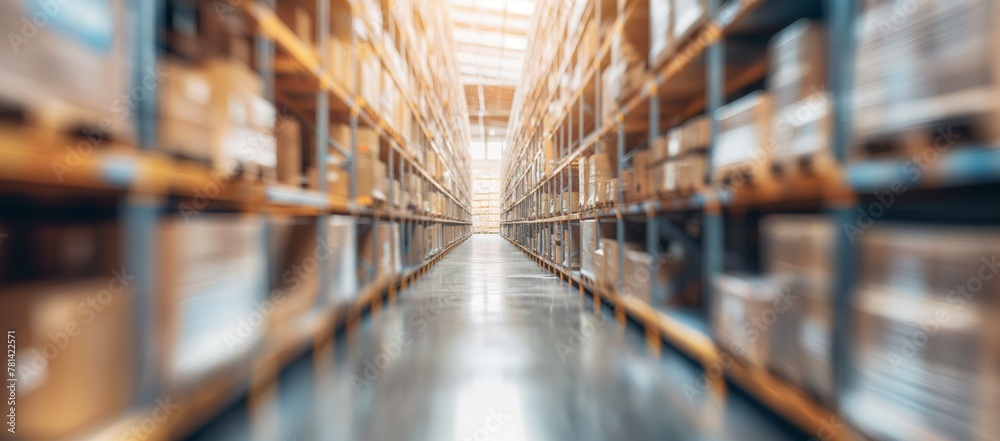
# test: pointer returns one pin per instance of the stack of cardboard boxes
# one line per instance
(924, 333)
(75, 353)
(211, 103)
(369, 170)
(342, 241)
(797, 86)
(797, 259)
(67, 302)
(936, 65)
(670, 23)
(678, 161)
(602, 184)
(212, 283)
(745, 139)
(293, 269)
(67, 74)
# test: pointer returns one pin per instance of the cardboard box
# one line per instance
(370, 176)
(370, 80)
(341, 63)
(184, 139)
(798, 57)
(951, 370)
(289, 139)
(212, 286)
(262, 117)
(611, 266)
(222, 32)
(661, 23)
(797, 86)
(798, 245)
(745, 131)
(78, 249)
(696, 135)
(75, 353)
(742, 300)
(185, 93)
(292, 250)
(368, 142)
(343, 264)
(379, 256)
(69, 73)
(235, 89)
(639, 273)
(233, 79)
(338, 179)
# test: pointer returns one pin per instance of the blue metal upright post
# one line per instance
(144, 26)
(322, 137)
(841, 53)
(619, 218)
(712, 241)
(140, 216)
(652, 225)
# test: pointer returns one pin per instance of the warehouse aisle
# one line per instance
(489, 346)
(488, 343)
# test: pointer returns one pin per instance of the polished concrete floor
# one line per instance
(489, 346)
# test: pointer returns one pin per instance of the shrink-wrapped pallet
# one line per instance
(745, 134)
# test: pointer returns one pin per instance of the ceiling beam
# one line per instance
(483, 27)
(476, 10)
(493, 51)
(489, 113)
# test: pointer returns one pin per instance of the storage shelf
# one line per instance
(129, 170)
(784, 399)
(272, 27)
(194, 409)
(650, 83)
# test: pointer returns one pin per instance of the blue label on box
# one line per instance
(90, 22)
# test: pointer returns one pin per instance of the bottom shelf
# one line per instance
(174, 416)
(689, 333)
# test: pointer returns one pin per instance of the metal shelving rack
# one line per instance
(148, 185)
(716, 210)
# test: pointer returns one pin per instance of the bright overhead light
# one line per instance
(493, 132)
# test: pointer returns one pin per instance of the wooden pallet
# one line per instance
(64, 118)
(817, 163)
(739, 175)
(254, 173)
(969, 117)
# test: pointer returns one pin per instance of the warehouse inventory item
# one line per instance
(241, 122)
(745, 142)
(924, 344)
(293, 257)
(671, 23)
(75, 354)
(67, 74)
(342, 243)
(184, 110)
(799, 250)
(743, 315)
(800, 102)
(212, 286)
(935, 70)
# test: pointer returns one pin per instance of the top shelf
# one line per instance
(272, 27)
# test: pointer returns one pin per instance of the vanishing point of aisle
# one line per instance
(489, 346)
